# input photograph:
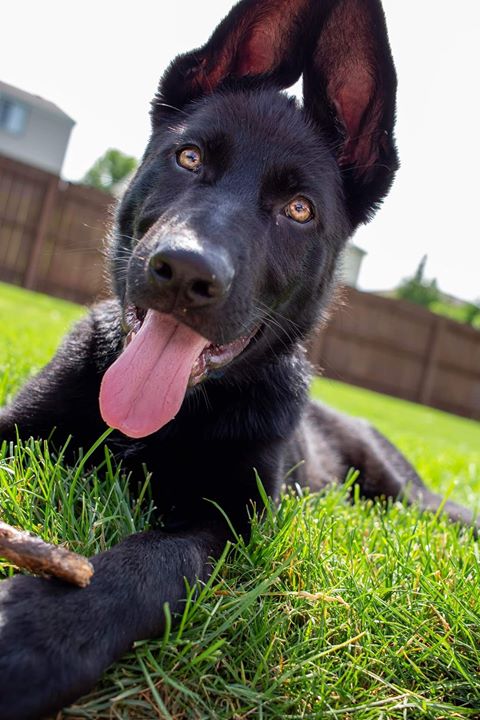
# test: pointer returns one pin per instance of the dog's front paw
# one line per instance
(48, 656)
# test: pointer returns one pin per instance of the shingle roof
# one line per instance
(34, 100)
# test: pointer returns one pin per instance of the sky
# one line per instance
(100, 61)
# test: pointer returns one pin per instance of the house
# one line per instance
(33, 130)
(351, 264)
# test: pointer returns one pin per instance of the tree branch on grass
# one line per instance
(30, 552)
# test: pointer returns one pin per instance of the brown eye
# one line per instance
(300, 210)
(190, 158)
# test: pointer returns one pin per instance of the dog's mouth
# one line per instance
(215, 357)
(144, 388)
(212, 358)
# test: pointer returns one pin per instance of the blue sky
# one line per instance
(100, 61)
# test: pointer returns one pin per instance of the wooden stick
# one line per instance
(30, 552)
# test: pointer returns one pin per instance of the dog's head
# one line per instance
(227, 239)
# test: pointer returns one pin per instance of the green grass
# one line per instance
(333, 610)
(31, 326)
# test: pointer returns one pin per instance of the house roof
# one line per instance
(33, 100)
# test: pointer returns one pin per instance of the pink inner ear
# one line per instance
(360, 117)
(259, 55)
(351, 99)
(256, 44)
(347, 62)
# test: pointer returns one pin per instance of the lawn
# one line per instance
(333, 610)
(31, 326)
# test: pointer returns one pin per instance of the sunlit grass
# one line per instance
(31, 326)
(333, 609)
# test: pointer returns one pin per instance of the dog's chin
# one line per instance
(214, 356)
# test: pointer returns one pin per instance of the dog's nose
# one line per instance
(198, 278)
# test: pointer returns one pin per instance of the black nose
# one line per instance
(196, 277)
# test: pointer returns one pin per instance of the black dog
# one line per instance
(223, 260)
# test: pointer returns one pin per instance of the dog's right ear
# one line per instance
(259, 41)
(349, 92)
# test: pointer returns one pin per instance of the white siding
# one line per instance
(351, 264)
(43, 142)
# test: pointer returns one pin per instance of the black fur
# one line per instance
(260, 150)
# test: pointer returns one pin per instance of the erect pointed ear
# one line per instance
(259, 40)
(349, 90)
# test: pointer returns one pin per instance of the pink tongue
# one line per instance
(144, 389)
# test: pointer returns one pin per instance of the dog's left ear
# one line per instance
(259, 42)
(349, 85)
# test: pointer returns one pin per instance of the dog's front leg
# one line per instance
(57, 640)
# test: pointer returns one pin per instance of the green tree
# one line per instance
(426, 292)
(112, 167)
(472, 314)
(419, 290)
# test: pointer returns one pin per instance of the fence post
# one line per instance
(30, 277)
(431, 361)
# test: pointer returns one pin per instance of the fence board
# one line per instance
(400, 349)
(51, 233)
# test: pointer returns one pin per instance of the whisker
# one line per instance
(160, 103)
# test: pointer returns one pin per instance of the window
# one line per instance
(13, 115)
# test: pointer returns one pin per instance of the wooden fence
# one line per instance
(401, 349)
(51, 240)
(51, 232)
